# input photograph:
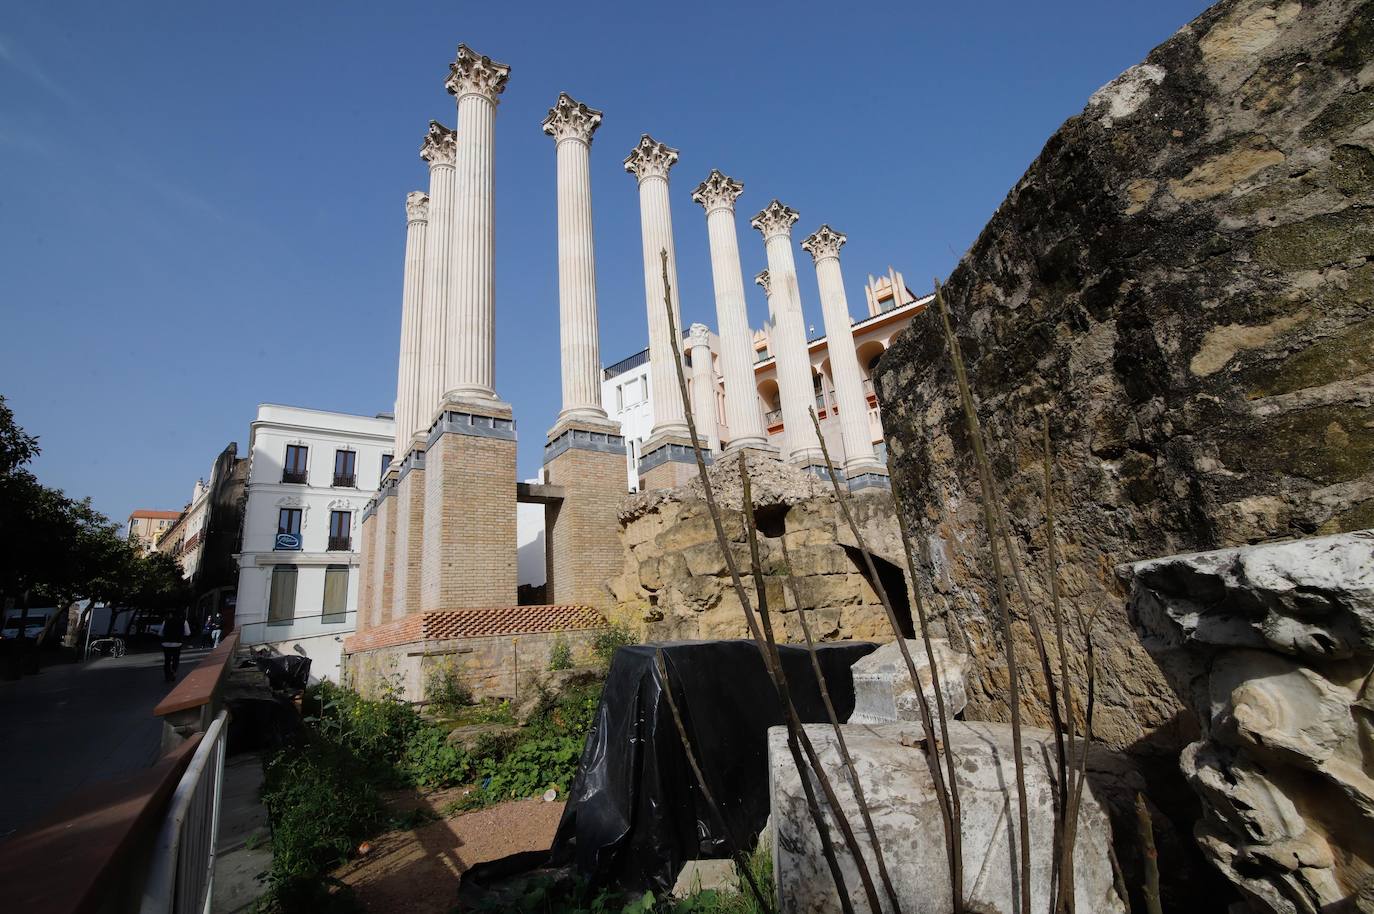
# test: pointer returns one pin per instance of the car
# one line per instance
(33, 629)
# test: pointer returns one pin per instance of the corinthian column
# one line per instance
(412, 297)
(704, 385)
(572, 124)
(650, 162)
(824, 246)
(788, 338)
(470, 369)
(438, 150)
(717, 196)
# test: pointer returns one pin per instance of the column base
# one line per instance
(868, 476)
(807, 457)
(469, 540)
(602, 436)
(582, 543)
(667, 462)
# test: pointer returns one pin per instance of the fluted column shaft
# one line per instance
(408, 404)
(438, 277)
(704, 387)
(788, 338)
(471, 352)
(656, 229)
(717, 194)
(844, 368)
(572, 125)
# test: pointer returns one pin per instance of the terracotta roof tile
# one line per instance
(476, 623)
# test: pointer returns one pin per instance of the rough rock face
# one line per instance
(675, 584)
(906, 816)
(1182, 281)
(1273, 647)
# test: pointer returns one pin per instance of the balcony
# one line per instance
(340, 544)
(349, 481)
(295, 477)
(773, 417)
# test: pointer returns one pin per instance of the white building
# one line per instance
(625, 388)
(310, 474)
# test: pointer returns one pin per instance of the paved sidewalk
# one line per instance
(243, 851)
(73, 724)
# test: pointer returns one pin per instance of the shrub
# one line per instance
(321, 803)
(445, 689)
(608, 642)
(430, 760)
(560, 655)
(375, 733)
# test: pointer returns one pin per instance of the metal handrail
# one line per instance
(181, 879)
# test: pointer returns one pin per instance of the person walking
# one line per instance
(174, 632)
(216, 630)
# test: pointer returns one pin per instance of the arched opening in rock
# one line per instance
(771, 520)
(894, 582)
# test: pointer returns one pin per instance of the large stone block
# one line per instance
(883, 690)
(1272, 647)
(892, 767)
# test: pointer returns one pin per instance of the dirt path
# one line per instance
(417, 871)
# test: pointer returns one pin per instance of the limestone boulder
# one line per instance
(891, 765)
(1272, 646)
(675, 581)
(883, 690)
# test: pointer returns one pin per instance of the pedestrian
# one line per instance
(174, 632)
(216, 629)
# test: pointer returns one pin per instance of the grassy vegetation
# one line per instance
(323, 792)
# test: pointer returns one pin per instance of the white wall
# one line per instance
(323, 433)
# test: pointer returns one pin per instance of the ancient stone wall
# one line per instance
(1182, 282)
(675, 584)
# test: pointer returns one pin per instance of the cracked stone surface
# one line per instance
(892, 768)
(1272, 646)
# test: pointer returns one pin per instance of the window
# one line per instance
(345, 465)
(339, 524)
(288, 528)
(386, 462)
(281, 601)
(293, 469)
(335, 593)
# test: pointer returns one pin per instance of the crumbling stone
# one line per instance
(1272, 646)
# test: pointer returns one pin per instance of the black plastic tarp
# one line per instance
(634, 814)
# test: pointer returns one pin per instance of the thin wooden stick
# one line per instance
(796, 737)
(956, 808)
(1147, 842)
(1003, 609)
(1064, 893)
(741, 861)
(784, 690)
(854, 784)
(953, 837)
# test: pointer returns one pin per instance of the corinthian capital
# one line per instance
(822, 243)
(718, 191)
(569, 119)
(474, 74)
(775, 219)
(440, 145)
(761, 281)
(698, 335)
(650, 159)
(417, 206)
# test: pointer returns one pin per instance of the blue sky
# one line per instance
(201, 205)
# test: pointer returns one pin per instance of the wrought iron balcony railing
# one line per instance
(345, 482)
(293, 476)
(340, 544)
